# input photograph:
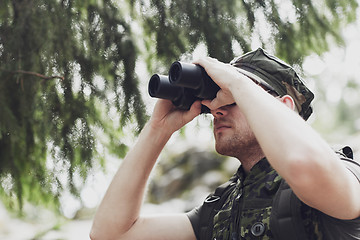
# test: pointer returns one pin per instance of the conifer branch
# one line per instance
(36, 74)
(39, 75)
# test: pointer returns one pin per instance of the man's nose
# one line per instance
(219, 112)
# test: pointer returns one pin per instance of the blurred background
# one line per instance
(73, 95)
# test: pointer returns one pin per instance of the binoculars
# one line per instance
(185, 84)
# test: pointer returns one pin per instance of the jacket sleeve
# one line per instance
(194, 217)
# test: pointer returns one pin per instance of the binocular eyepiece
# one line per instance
(185, 84)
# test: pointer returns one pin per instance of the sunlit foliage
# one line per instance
(66, 65)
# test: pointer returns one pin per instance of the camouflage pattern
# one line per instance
(267, 69)
(311, 221)
(246, 212)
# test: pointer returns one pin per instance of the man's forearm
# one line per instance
(282, 134)
(121, 205)
(299, 154)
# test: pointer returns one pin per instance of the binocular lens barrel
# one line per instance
(160, 87)
(185, 84)
(194, 77)
(185, 75)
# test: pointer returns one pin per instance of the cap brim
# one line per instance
(256, 78)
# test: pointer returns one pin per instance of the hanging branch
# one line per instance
(36, 74)
(39, 75)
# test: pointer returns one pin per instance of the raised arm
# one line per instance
(118, 216)
(293, 148)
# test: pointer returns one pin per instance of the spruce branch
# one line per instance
(39, 75)
(36, 74)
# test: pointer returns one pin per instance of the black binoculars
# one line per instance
(185, 84)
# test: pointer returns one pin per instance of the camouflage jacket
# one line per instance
(246, 211)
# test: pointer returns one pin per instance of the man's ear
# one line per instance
(288, 101)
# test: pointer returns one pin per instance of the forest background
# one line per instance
(73, 95)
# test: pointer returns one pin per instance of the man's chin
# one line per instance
(223, 149)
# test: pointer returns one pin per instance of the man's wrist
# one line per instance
(157, 131)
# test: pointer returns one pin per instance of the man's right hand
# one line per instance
(166, 117)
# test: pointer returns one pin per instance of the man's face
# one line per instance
(232, 133)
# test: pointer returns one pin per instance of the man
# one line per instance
(264, 131)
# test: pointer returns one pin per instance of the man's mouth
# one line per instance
(221, 127)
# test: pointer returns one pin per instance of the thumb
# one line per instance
(194, 111)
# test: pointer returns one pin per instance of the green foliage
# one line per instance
(51, 55)
(178, 26)
(64, 64)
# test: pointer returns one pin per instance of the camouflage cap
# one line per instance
(282, 78)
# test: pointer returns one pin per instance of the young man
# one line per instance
(273, 144)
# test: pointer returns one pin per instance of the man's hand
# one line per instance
(166, 117)
(226, 77)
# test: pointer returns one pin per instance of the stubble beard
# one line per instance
(239, 145)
